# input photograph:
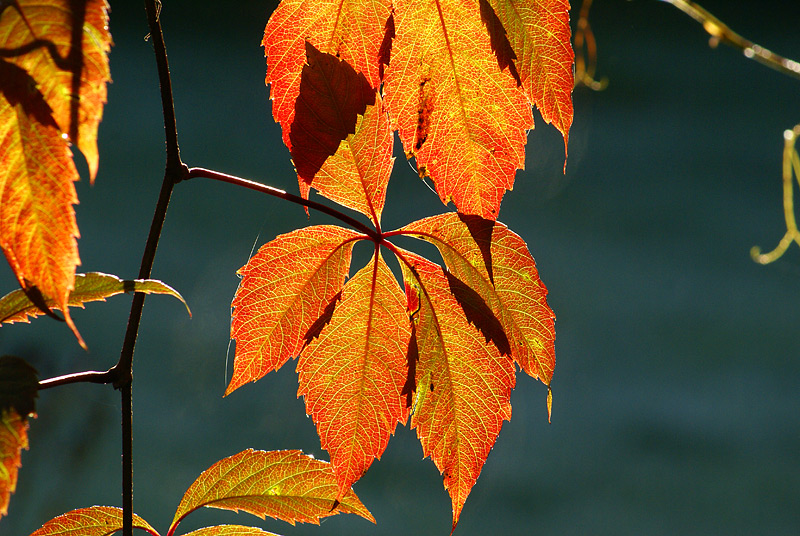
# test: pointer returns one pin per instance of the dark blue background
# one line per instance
(677, 406)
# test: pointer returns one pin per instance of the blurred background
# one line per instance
(676, 391)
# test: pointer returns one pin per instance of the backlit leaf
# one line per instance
(285, 485)
(357, 174)
(351, 30)
(19, 385)
(352, 375)
(230, 530)
(539, 34)
(495, 262)
(16, 306)
(92, 521)
(285, 288)
(463, 383)
(53, 87)
(457, 113)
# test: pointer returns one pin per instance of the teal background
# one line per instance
(676, 398)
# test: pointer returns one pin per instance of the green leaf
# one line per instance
(16, 306)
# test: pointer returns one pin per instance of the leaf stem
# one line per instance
(89, 376)
(374, 235)
(720, 33)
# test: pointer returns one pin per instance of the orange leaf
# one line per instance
(463, 119)
(19, 385)
(69, 62)
(351, 30)
(463, 384)
(285, 485)
(13, 438)
(53, 88)
(286, 287)
(92, 521)
(539, 36)
(353, 374)
(357, 174)
(229, 530)
(495, 262)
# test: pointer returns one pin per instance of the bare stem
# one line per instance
(89, 376)
(281, 194)
(720, 33)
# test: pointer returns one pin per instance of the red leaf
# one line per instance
(463, 383)
(463, 119)
(285, 288)
(494, 262)
(353, 374)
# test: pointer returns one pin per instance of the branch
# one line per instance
(281, 194)
(90, 376)
(720, 33)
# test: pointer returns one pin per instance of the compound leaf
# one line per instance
(352, 375)
(92, 521)
(463, 383)
(285, 485)
(285, 289)
(16, 306)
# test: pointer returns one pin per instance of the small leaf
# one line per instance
(463, 384)
(352, 375)
(92, 521)
(16, 306)
(286, 287)
(18, 391)
(230, 530)
(285, 485)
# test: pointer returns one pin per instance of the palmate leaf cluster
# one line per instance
(440, 348)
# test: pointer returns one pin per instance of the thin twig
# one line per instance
(720, 33)
(89, 376)
(275, 192)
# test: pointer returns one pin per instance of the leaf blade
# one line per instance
(285, 288)
(230, 530)
(463, 384)
(16, 306)
(496, 263)
(463, 119)
(285, 485)
(352, 376)
(92, 521)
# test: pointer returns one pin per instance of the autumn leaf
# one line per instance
(350, 30)
(285, 288)
(229, 530)
(352, 375)
(285, 485)
(463, 383)
(495, 263)
(18, 390)
(538, 33)
(17, 306)
(52, 90)
(92, 521)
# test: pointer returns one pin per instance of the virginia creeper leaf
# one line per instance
(352, 375)
(462, 118)
(539, 35)
(18, 390)
(285, 485)
(16, 306)
(351, 30)
(495, 263)
(52, 89)
(230, 530)
(463, 383)
(285, 288)
(92, 521)
(357, 174)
